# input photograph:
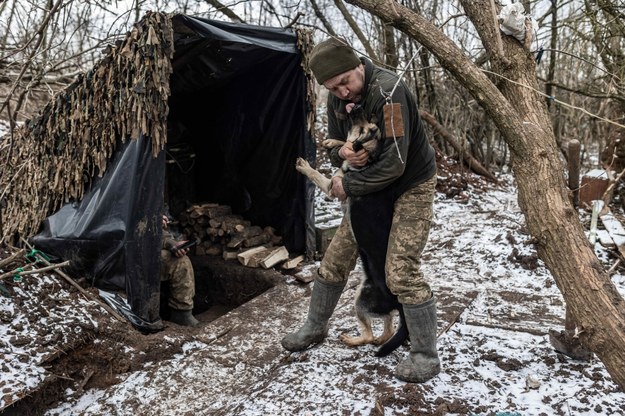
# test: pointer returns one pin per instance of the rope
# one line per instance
(552, 98)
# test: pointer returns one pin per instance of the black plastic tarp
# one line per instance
(238, 108)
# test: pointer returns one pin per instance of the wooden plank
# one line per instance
(292, 263)
(614, 227)
(604, 239)
(230, 255)
(276, 256)
(246, 257)
(594, 184)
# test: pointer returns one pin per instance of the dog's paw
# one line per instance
(354, 341)
(302, 165)
(332, 143)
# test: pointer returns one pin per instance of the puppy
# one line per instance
(373, 298)
(372, 302)
(363, 134)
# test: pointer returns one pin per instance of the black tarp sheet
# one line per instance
(238, 106)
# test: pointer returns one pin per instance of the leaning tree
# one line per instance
(510, 96)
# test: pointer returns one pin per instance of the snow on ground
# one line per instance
(31, 331)
(494, 315)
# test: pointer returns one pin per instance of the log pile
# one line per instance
(219, 232)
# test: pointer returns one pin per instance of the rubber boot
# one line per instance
(325, 296)
(181, 317)
(422, 362)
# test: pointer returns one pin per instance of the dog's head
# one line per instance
(364, 133)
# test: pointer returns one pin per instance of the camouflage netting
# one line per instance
(305, 44)
(52, 159)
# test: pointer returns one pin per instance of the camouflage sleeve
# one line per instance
(167, 241)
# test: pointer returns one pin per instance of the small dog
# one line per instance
(364, 134)
(373, 298)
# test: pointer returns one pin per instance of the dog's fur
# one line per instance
(362, 135)
(373, 298)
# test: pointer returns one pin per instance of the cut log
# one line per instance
(214, 233)
(214, 250)
(250, 231)
(230, 255)
(201, 221)
(305, 276)
(223, 221)
(246, 257)
(197, 210)
(218, 211)
(276, 256)
(199, 231)
(275, 238)
(257, 240)
(292, 263)
(235, 242)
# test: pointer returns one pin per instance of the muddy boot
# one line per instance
(325, 296)
(422, 362)
(185, 318)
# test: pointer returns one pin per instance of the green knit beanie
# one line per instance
(330, 58)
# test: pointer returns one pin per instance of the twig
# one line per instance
(12, 257)
(453, 321)
(20, 272)
(219, 335)
(614, 266)
(607, 195)
(77, 286)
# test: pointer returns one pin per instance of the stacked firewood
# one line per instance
(219, 232)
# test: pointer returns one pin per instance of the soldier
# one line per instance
(176, 268)
(407, 170)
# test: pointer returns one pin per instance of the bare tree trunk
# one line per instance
(37, 40)
(356, 28)
(521, 117)
(8, 22)
(609, 37)
(322, 18)
(391, 57)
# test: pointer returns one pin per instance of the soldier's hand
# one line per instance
(180, 252)
(337, 189)
(357, 159)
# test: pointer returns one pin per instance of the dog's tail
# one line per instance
(397, 339)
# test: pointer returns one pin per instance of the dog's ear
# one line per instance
(373, 119)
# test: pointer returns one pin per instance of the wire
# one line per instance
(554, 99)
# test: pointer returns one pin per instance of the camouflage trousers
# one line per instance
(412, 218)
(178, 271)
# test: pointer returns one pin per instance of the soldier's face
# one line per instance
(348, 85)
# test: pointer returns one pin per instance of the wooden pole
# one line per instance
(574, 167)
(21, 272)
